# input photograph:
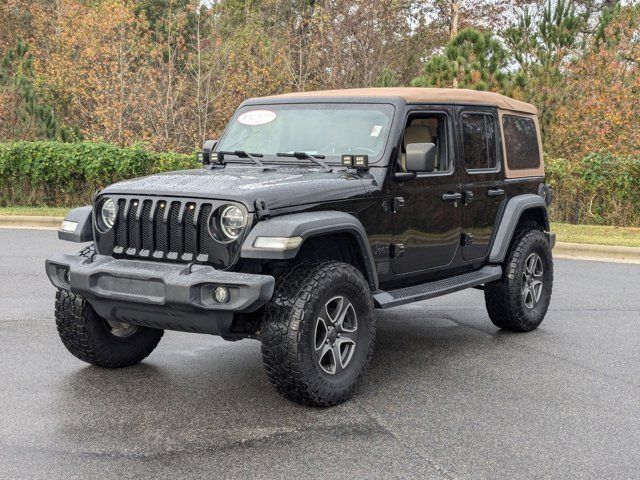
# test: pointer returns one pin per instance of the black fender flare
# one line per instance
(307, 225)
(514, 209)
(83, 232)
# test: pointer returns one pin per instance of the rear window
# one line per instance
(521, 142)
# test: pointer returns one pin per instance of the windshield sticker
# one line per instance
(257, 117)
(375, 131)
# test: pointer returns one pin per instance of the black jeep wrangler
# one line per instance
(312, 210)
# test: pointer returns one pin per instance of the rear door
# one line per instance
(482, 178)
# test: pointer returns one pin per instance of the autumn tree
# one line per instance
(456, 15)
(16, 23)
(207, 58)
(168, 94)
(369, 38)
(97, 67)
(601, 111)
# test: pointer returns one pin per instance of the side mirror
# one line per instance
(204, 156)
(421, 157)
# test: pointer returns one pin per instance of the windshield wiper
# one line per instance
(317, 159)
(242, 154)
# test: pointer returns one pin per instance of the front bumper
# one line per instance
(160, 295)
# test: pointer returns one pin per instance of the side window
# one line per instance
(427, 128)
(479, 141)
(521, 142)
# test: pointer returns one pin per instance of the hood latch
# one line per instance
(262, 211)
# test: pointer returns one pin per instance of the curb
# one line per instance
(582, 251)
(597, 252)
(30, 221)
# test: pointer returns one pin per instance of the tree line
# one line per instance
(169, 73)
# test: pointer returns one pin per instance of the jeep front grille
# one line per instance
(165, 229)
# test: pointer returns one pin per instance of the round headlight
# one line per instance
(232, 222)
(108, 214)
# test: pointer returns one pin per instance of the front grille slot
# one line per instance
(161, 243)
(161, 229)
(190, 230)
(121, 225)
(147, 226)
(133, 226)
(175, 229)
(203, 228)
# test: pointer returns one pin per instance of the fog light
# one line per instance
(221, 294)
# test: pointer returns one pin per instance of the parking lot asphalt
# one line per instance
(448, 395)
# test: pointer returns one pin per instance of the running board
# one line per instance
(393, 298)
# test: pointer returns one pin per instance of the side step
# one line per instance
(393, 298)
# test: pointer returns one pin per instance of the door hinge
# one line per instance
(396, 250)
(466, 239)
(398, 203)
(262, 211)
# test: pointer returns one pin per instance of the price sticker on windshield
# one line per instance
(257, 117)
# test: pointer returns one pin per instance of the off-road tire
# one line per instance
(504, 298)
(87, 335)
(288, 332)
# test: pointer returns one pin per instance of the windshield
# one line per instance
(330, 130)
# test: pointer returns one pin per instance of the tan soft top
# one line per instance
(457, 96)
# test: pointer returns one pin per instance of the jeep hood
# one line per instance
(282, 187)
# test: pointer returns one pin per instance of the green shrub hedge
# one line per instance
(67, 174)
(600, 189)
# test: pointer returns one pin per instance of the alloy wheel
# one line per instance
(336, 335)
(532, 280)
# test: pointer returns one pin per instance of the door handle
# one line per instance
(451, 197)
(498, 192)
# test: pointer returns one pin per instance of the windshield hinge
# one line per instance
(396, 250)
(398, 203)
(262, 211)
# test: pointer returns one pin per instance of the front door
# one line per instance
(481, 175)
(427, 214)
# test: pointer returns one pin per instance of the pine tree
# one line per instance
(33, 119)
(542, 50)
(472, 59)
